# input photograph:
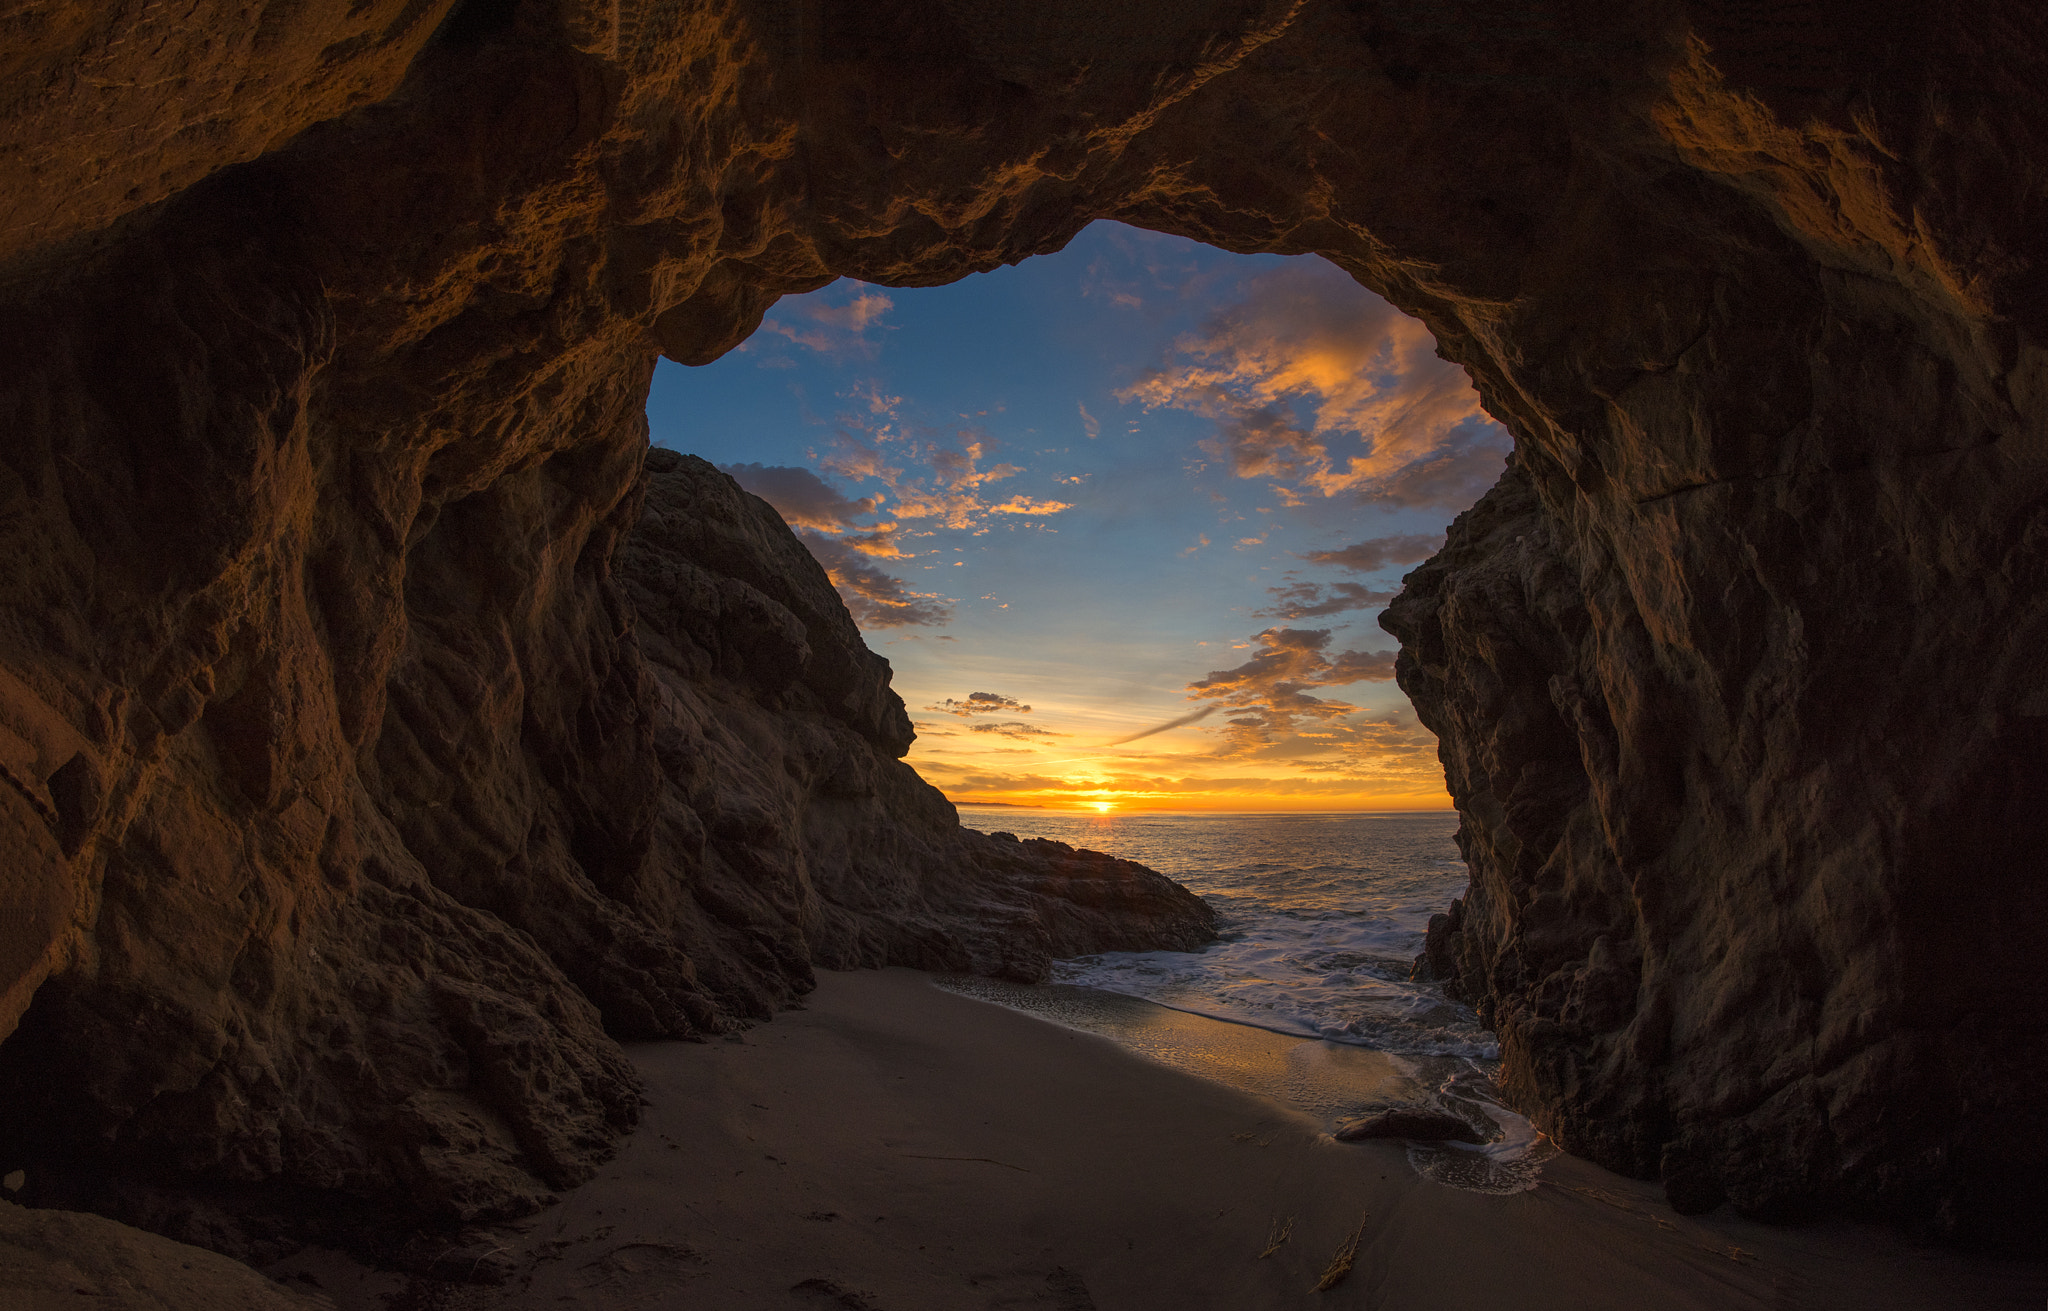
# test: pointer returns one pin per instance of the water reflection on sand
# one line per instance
(1332, 1082)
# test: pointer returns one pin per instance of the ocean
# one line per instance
(1320, 918)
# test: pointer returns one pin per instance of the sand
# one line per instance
(896, 1147)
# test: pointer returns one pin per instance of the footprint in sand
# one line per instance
(1060, 1290)
(634, 1273)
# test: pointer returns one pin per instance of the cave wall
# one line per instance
(334, 716)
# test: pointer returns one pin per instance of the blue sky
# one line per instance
(1105, 490)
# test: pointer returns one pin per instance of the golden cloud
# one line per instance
(1387, 419)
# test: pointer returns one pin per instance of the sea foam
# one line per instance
(1320, 919)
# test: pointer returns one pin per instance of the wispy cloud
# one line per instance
(805, 500)
(1314, 600)
(828, 523)
(1088, 422)
(934, 483)
(981, 703)
(876, 599)
(1269, 693)
(1376, 553)
(1015, 731)
(1195, 718)
(830, 326)
(938, 480)
(1314, 382)
(1026, 505)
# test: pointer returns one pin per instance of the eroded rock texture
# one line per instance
(347, 810)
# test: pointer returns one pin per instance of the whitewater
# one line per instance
(1319, 919)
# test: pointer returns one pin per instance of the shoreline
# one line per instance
(896, 1147)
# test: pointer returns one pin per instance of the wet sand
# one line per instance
(897, 1147)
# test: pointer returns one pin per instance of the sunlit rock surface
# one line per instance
(61, 1259)
(349, 805)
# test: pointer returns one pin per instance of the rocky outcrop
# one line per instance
(1745, 896)
(779, 741)
(55, 1260)
(623, 788)
(336, 796)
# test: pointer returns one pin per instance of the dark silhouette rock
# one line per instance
(348, 804)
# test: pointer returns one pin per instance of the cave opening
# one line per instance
(351, 817)
(1121, 517)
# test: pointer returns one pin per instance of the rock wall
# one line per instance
(338, 791)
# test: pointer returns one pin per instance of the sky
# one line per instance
(1121, 518)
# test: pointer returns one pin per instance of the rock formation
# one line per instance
(646, 811)
(51, 1259)
(341, 791)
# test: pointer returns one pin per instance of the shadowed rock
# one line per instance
(60, 1258)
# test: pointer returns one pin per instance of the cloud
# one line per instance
(1088, 422)
(1392, 748)
(1025, 505)
(817, 322)
(876, 599)
(1462, 468)
(1016, 731)
(1314, 600)
(937, 481)
(1377, 553)
(801, 497)
(1196, 717)
(804, 500)
(1314, 382)
(981, 703)
(1360, 667)
(826, 522)
(945, 494)
(1268, 694)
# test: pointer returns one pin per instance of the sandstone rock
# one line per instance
(59, 1260)
(560, 843)
(326, 342)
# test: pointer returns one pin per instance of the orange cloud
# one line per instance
(1268, 694)
(1015, 730)
(932, 481)
(831, 329)
(876, 599)
(1386, 419)
(945, 492)
(1025, 505)
(981, 703)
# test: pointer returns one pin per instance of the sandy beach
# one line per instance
(896, 1147)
